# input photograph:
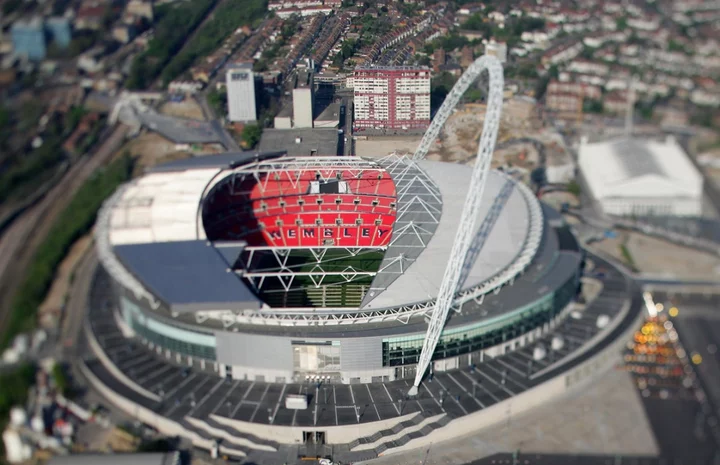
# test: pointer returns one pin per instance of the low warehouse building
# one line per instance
(630, 177)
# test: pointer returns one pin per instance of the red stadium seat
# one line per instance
(277, 209)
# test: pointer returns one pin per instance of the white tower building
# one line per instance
(240, 82)
(303, 97)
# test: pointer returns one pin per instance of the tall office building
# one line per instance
(240, 82)
(392, 97)
(303, 96)
(28, 38)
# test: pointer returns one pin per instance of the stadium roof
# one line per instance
(499, 241)
(164, 207)
(188, 276)
(170, 458)
(638, 168)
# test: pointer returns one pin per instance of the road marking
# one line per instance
(242, 399)
(267, 386)
(373, 401)
(224, 398)
(480, 385)
(465, 389)
(437, 379)
(391, 399)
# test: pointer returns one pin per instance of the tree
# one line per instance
(554, 72)
(592, 106)
(621, 23)
(587, 53)
(439, 88)
(60, 378)
(474, 95)
(645, 109)
(251, 135)
(703, 117)
(541, 87)
(574, 188)
(217, 99)
(452, 42)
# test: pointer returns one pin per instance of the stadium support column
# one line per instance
(463, 238)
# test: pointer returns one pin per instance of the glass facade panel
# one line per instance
(406, 350)
(168, 337)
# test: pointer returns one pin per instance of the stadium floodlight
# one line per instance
(463, 238)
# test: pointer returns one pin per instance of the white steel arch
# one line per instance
(463, 238)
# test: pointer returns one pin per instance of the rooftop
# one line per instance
(300, 142)
(304, 79)
(626, 167)
(392, 68)
(188, 276)
(170, 458)
(162, 208)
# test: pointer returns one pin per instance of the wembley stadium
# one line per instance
(259, 300)
(284, 269)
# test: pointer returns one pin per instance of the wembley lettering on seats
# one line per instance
(292, 233)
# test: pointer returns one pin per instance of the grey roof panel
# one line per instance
(312, 141)
(170, 458)
(188, 275)
(230, 251)
(223, 160)
(637, 159)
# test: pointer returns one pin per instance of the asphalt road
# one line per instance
(22, 238)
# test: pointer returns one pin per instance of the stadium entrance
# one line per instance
(314, 438)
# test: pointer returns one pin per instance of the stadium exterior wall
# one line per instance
(572, 380)
(270, 357)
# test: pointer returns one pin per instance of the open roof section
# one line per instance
(303, 202)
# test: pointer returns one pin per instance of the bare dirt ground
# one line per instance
(120, 441)
(658, 257)
(557, 198)
(63, 279)
(380, 147)
(661, 258)
(458, 141)
(151, 149)
(188, 108)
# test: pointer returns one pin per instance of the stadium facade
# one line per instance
(276, 269)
